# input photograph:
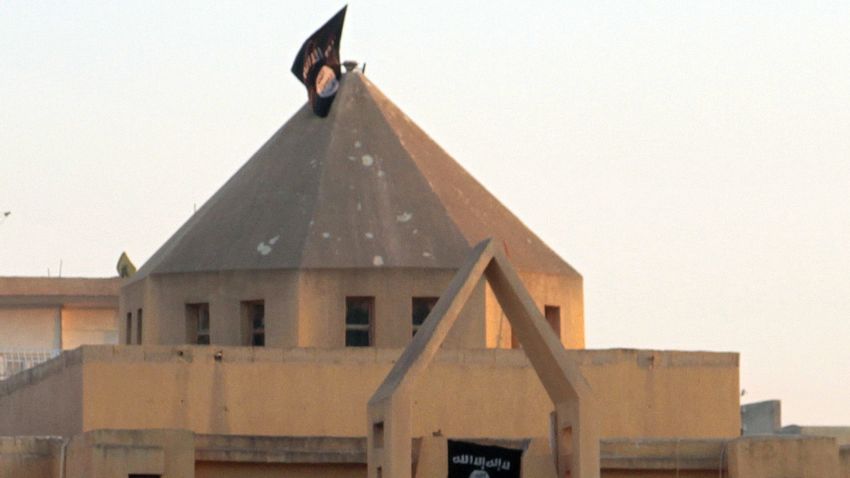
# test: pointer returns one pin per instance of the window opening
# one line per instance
(359, 313)
(553, 316)
(198, 323)
(420, 309)
(129, 338)
(254, 323)
(139, 327)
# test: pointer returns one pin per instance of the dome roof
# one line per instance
(362, 188)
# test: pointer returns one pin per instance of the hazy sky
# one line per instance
(690, 158)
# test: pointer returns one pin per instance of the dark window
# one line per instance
(421, 308)
(553, 316)
(129, 339)
(134, 475)
(359, 316)
(139, 327)
(378, 434)
(198, 324)
(254, 323)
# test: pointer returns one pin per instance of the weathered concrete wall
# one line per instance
(86, 326)
(33, 311)
(783, 457)
(657, 394)
(29, 327)
(313, 392)
(322, 303)
(44, 400)
(74, 290)
(300, 392)
(566, 292)
(256, 456)
(30, 457)
(841, 434)
(761, 418)
(42, 328)
(133, 297)
(120, 453)
(661, 473)
(307, 308)
(276, 470)
(662, 457)
(179, 453)
(165, 299)
(620, 458)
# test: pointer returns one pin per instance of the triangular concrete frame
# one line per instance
(389, 409)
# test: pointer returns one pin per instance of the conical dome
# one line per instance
(362, 188)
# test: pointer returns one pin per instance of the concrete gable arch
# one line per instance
(389, 410)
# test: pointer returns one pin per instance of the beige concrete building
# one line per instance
(252, 340)
(357, 213)
(39, 317)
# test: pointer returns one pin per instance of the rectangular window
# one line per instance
(129, 339)
(359, 317)
(421, 308)
(254, 323)
(553, 316)
(139, 327)
(198, 323)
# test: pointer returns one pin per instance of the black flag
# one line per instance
(317, 65)
(470, 460)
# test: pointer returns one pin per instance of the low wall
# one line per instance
(276, 470)
(44, 400)
(30, 457)
(313, 392)
(180, 453)
(657, 458)
(120, 453)
(780, 456)
(841, 434)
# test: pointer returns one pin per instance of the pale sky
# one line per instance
(690, 158)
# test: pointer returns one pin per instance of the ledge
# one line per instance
(266, 449)
(662, 454)
(506, 358)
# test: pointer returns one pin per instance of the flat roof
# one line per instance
(60, 291)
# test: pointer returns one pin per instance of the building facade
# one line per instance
(252, 340)
(340, 231)
(40, 317)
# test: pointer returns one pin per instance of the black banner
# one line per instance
(317, 65)
(469, 460)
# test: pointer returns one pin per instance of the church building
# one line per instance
(251, 342)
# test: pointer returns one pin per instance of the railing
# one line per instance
(13, 361)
